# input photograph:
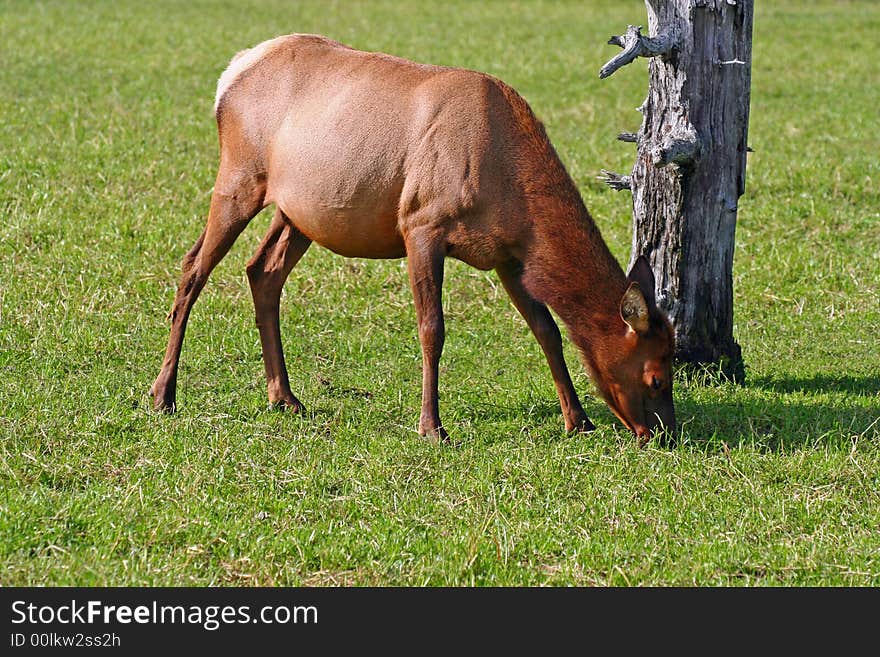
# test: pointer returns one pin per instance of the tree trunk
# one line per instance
(690, 169)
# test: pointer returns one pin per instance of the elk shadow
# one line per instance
(529, 411)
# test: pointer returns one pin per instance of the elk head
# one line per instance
(632, 365)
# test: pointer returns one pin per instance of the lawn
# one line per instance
(108, 152)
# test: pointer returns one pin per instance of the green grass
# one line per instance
(107, 156)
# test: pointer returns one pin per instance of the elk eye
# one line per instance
(656, 383)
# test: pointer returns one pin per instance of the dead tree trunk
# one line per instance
(690, 168)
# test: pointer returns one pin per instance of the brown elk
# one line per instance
(373, 156)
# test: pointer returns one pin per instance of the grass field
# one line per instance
(108, 153)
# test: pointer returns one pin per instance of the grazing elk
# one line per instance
(373, 156)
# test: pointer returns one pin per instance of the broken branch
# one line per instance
(615, 181)
(635, 45)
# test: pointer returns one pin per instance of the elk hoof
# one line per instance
(435, 436)
(581, 424)
(289, 403)
(163, 399)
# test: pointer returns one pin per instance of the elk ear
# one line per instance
(641, 273)
(634, 309)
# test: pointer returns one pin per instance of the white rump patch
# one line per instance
(239, 64)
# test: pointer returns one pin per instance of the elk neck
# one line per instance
(566, 263)
(569, 266)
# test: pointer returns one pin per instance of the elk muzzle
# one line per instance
(659, 419)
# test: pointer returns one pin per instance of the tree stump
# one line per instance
(690, 168)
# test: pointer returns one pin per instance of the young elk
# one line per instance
(373, 156)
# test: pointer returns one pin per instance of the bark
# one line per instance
(690, 168)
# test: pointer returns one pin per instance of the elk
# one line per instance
(374, 156)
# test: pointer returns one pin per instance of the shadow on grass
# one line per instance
(766, 414)
(769, 414)
(532, 411)
(778, 423)
(866, 385)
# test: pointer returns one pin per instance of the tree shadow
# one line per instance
(766, 414)
(777, 421)
(865, 385)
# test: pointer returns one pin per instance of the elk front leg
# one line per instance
(278, 253)
(425, 254)
(541, 322)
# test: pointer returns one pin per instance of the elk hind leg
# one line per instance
(267, 270)
(233, 204)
